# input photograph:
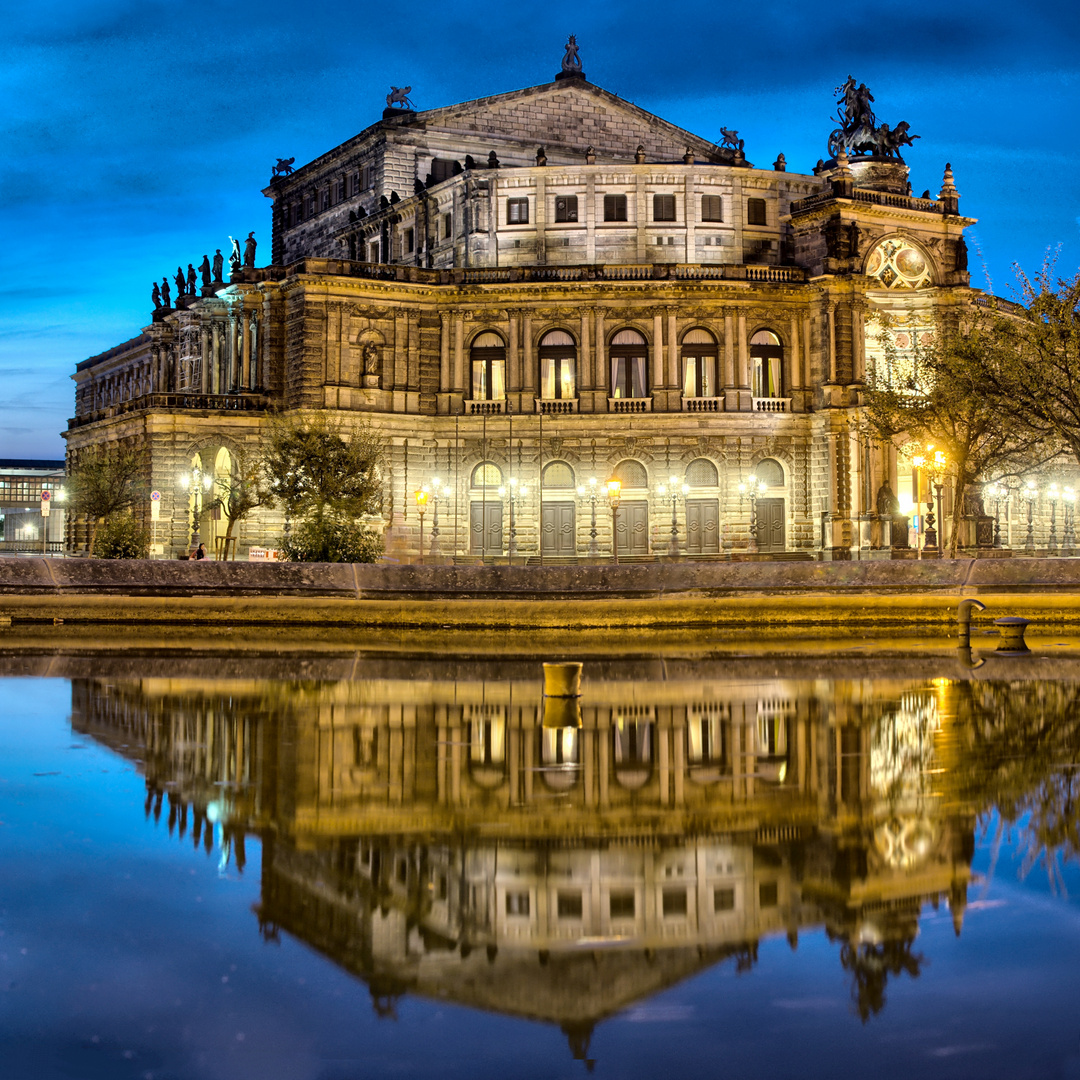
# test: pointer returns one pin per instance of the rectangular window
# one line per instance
(517, 903)
(569, 905)
(517, 211)
(622, 904)
(326, 199)
(674, 903)
(628, 376)
(410, 241)
(755, 212)
(712, 208)
(663, 208)
(557, 378)
(448, 226)
(614, 207)
(723, 898)
(373, 252)
(367, 177)
(309, 211)
(356, 183)
(488, 382)
(566, 208)
(441, 169)
(767, 894)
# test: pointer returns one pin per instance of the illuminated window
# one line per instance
(486, 475)
(488, 357)
(629, 355)
(699, 356)
(896, 264)
(767, 355)
(558, 354)
(517, 904)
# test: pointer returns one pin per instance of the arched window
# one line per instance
(699, 355)
(629, 357)
(631, 474)
(767, 357)
(770, 472)
(701, 473)
(558, 355)
(632, 736)
(558, 476)
(486, 475)
(487, 744)
(488, 355)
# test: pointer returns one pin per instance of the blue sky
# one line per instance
(138, 134)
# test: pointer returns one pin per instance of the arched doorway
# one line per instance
(558, 529)
(702, 508)
(632, 516)
(770, 530)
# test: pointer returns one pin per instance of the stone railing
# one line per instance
(556, 406)
(239, 402)
(484, 408)
(629, 404)
(772, 404)
(879, 198)
(703, 404)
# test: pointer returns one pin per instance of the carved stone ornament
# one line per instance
(371, 357)
(555, 446)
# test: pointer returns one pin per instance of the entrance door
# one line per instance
(770, 524)
(557, 531)
(703, 526)
(485, 528)
(632, 520)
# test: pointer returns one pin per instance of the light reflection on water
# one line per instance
(806, 864)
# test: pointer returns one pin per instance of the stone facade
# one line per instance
(555, 283)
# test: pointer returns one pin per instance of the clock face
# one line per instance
(899, 265)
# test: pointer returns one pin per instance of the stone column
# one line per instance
(513, 358)
(529, 361)
(459, 353)
(204, 359)
(245, 356)
(600, 374)
(444, 352)
(806, 381)
(729, 350)
(858, 343)
(583, 374)
(253, 328)
(792, 361)
(831, 316)
(657, 373)
(674, 382)
(234, 350)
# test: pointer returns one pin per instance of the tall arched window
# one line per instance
(699, 355)
(767, 358)
(488, 355)
(629, 358)
(558, 356)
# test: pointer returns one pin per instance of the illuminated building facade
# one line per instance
(551, 286)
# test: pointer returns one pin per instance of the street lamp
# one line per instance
(592, 493)
(438, 491)
(753, 488)
(197, 481)
(518, 494)
(918, 461)
(421, 495)
(996, 492)
(1068, 505)
(671, 491)
(938, 467)
(1053, 493)
(614, 492)
(1031, 493)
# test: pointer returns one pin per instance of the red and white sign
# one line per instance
(45, 497)
(262, 554)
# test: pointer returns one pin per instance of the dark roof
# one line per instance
(134, 342)
(28, 463)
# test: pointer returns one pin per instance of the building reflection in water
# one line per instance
(440, 837)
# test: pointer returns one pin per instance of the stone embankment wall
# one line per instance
(857, 596)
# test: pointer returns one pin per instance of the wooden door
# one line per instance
(557, 530)
(632, 526)
(485, 528)
(770, 525)
(703, 526)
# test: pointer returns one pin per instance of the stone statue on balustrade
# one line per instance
(219, 264)
(250, 244)
(156, 296)
(192, 279)
(730, 140)
(181, 281)
(204, 269)
(235, 261)
(165, 298)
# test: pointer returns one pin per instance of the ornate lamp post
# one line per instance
(996, 492)
(614, 492)
(421, 495)
(1031, 493)
(1053, 493)
(753, 488)
(197, 482)
(592, 493)
(1068, 506)
(937, 470)
(518, 493)
(671, 492)
(918, 461)
(438, 491)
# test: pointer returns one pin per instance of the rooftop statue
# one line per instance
(234, 256)
(731, 140)
(571, 62)
(399, 95)
(283, 167)
(859, 132)
(250, 244)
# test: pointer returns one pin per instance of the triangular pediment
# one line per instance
(568, 115)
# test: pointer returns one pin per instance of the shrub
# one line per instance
(332, 539)
(122, 537)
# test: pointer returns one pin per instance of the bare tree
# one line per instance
(106, 481)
